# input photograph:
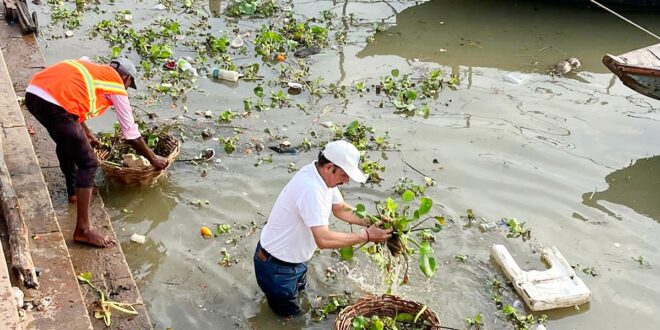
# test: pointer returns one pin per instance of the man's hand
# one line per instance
(376, 234)
(90, 136)
(159, 162)
(93, 141)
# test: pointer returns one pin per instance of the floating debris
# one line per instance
(208, 133)
(562, 68)
(575, 63)
(137, 238)
(206, 232)
(566, 66)
(237, 42)
(284, 150)
(305, 52)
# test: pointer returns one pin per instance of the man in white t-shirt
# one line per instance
(298, 224)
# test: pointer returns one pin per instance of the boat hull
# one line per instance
(639, 70)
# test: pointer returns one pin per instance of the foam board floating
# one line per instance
(555, 287)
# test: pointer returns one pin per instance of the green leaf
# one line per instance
(259, 91)
(405, 317)
(508, 310)
(377, 324)
(359, 322)
(346, 253)
(411, 94)
(116, 50)
(85, 277)
(428, 266)
(408, 196)
(152, 139)
(391, 206)
(427, 262)
(425, 206)
(247, 8)
(401, 225)
(395, 73)
(360, 211)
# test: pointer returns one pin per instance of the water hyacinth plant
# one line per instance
(404, 219)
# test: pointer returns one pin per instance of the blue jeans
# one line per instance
(280, 281)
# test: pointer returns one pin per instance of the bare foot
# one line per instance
(92, 237)
(73, 199)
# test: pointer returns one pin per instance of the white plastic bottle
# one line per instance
(184, 66)
(218, 73)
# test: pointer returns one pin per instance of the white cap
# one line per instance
(125, 66)
(347, 157)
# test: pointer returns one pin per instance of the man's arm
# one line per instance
(156, 161)
(328, 239)
(131, 133)
(344, 212)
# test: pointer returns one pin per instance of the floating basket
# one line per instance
(385, 305)
(168, 146)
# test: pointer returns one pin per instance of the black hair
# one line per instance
(322, 160)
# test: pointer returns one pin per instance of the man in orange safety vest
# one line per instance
(64, 95)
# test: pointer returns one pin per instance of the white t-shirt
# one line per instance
(305, 202)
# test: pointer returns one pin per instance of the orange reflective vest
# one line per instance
(79, 86)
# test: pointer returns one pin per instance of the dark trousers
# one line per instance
(280, 281)
(74, 152)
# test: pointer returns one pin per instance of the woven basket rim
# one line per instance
(384, 305)
(137, 175)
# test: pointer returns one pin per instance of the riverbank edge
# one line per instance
(39, 184)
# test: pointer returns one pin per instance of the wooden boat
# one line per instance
(639, 69)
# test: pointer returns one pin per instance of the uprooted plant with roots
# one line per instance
(405, 219)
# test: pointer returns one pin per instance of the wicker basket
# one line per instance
(385, 305)
(168, 146)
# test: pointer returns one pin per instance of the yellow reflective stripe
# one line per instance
(87, 77)
(110, 86)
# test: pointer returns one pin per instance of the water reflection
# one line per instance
(636, 186)
(142, 204)
(145, 209)
(527, 36)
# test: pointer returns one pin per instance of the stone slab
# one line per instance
(28, 182)
(10, 114)
(58, 282)
(119, 290)
(108, 264)
(8, 309)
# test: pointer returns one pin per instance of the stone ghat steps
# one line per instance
(38, 182)
(48, 248)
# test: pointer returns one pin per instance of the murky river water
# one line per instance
(576, 157)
